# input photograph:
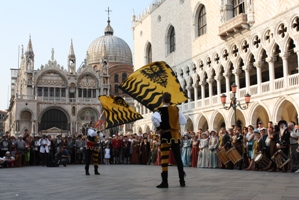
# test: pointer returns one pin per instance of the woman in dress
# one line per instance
(194, 152)
(144, 151)
(272, 135)
(220, 134)
(154, 150)
(250, 142)
(213, 146)
(186, 151)
(203, 155)
(135, 152)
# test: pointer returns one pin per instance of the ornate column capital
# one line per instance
(247, 67)
(237, 71)
(271, 59)
(284, 55)
(258, 64)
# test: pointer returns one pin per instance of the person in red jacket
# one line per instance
(116, 145)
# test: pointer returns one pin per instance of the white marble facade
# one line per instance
(252, 43)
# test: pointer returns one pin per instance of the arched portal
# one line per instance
(218, 122)
(203, 123)
(25, 122)
(53, 118)
(287, 112)
(261, 114)
(189, 125)
(240, 121)
(147, 129)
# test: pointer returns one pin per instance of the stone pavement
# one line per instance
(139, 182)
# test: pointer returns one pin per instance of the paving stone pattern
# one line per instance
(128, 182)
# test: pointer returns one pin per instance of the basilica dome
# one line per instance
(110, 46)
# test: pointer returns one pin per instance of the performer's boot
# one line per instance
(182, 178)
(87, 170)
(164, 183)
(96, 170)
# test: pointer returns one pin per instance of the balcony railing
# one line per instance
(233, 25)
(278, 85)
(294, 80)
(265, 87)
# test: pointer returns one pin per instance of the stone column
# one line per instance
(271, 61)
(258, 66)
(189, 93)
(202, 84)
(298, 60)
(195, 91)
(237, 72)
(247, 69)
(285, 66)
(227, 83)
(218, 80)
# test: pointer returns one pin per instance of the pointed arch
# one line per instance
(148, 53)
(282, 105)
(259, 110)
(170, 39)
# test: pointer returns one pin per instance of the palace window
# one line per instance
(238, 7)
(116, 78)
(202, 21)
(171, 39)
(116, 89)
(39, 91)
(124, 77)
(149, 53)
(51, 92)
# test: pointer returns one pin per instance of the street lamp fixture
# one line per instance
(233, 103)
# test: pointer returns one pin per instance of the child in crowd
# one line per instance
(107, 154)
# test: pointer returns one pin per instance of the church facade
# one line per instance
(213, 44)
(54, 99)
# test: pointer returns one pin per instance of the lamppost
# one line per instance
(233, 103)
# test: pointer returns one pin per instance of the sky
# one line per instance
(52, 24)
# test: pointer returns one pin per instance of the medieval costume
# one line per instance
(194, 152)
(186, 151)
(213, 146)
(167, 120)
(135, 152)
(92, 150)
(204, 152)
(144, 151)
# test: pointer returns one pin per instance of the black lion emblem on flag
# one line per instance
(156, 73)
(120, 101)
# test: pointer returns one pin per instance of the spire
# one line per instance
(29, 55)
(52, 54)
(72, 60)
(29, 47)
(22, 52)
(108, 29)
(71, 53)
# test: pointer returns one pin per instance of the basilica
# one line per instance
(212, 45)
(63, 100)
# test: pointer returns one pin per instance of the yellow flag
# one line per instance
(148, 83)
(117, 111)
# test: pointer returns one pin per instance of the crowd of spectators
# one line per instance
(200, 149)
